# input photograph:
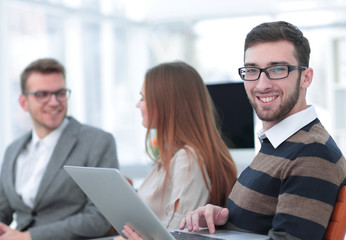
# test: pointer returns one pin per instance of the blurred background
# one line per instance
(107, 46)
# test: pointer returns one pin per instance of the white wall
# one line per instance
(106, 56)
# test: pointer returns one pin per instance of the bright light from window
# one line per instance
(136, 10)
(220, 46)
(309, 18)
(72, 3)
(285, 6)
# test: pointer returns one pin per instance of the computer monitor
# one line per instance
(236, 116)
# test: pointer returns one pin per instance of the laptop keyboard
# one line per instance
(191, 236)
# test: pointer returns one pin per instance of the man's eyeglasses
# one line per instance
(273, 72)
(61, 95)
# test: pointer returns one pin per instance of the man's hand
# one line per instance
(207, 216)
(7, 233)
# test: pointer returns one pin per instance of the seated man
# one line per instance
(290, 188)
(33, 184)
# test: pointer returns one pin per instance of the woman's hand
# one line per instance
(119, 238)
(8, 233)
(130, 233)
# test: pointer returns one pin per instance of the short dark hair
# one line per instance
(280, 30)
(43, 65)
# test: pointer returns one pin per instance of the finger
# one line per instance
(223, 216)
(195, 220)
(4, 227)
(118, 238)
(131, 233)
(125, 233)
(188, 221)
(182, 224)
(209, 218)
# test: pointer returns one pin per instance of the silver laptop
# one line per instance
(119, 203)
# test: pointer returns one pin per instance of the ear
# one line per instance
(23, 101)
(306, 78)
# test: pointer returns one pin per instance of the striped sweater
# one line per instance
(291, 189)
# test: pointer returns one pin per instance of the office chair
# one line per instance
(336, 228)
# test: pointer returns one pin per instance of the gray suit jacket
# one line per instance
(61, 210)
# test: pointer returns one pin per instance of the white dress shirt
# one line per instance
(32, 162)
(287, 127)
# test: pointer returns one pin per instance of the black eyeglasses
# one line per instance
(61, 95)
(273, 72)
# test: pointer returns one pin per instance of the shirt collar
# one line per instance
(35, 138)
(51, 139)
(288, 126)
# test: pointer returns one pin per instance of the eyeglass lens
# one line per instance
(45, 96)
(274, 72)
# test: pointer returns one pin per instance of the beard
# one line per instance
(283, 109)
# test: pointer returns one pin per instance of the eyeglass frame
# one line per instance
(68, 93)
(290, 68)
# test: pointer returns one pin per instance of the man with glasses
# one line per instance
(290, 188)
(34, 187)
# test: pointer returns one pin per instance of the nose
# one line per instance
(53, 100)
(263, 82)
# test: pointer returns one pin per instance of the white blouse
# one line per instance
(185, 183)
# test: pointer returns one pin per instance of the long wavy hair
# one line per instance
(178, 99)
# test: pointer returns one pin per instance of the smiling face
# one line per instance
(45, 117)
(274, 100)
